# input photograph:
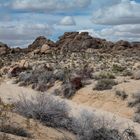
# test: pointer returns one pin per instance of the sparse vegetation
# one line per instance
(9, 127)
(104, 75)
(104, 84)
(47, 109)
(136, 103)
(121, 94)
(56, 113)
(136, 75)
(118, 68)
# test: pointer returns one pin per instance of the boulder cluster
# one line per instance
(70, 42)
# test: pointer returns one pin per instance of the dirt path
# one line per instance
(11, 92)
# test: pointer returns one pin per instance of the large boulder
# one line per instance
(3, 48)
(14, 71)
(39, 42)
(45, 49)
(120, 45)
(24, 64)
(76, 82)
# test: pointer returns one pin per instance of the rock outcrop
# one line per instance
(75, 42)
(4, 49)
(39, 42)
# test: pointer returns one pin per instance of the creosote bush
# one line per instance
(117, 68)
(104, 75)
(121, 94)
(105, 84)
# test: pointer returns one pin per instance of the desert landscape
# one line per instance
(79, 87)
(70, 70)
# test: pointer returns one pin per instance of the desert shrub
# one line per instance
(90, 127)
(121, 94)
(136, 75)
(68, 90)
(4, 136)
(47, 109)
(105, 84)
(104, 75)
(38, 78)
(7, 126)
(117, 68)
(14, 130)
(127, 72)
(85, 72)
(55, 112)
(136, 103)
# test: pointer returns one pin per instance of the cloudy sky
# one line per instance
(21, 21)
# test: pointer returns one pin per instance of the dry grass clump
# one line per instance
(104, 84)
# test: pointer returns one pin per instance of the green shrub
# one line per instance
(121, 94)
(104, 75)
(117, 68)
(105, 84)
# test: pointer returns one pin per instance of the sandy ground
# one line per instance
(100, 104)
(10, 92)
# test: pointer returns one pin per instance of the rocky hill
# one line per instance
(70, 42)
(72, 88)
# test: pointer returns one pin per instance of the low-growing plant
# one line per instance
(9, 127)
(104, 84)
(117, 68)
(121, 94)
(45, 108)
(104, 75)
(136, 103)
(136, 75)
(55, 112)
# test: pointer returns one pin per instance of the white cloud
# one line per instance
(126, 12)
(67, 21)
(49, 5)
(14, 33)
(126, 32)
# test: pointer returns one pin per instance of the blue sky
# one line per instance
(23, 20)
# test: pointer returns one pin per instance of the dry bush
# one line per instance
(105, 84)
(47, 109)
(7, 126)
(136, 75)
(14, 130)
(4, 136)
(118, 68)
(68, 90)
(55, 112)
(136, 103)
(121, 94)
(104, 75)
(89, 127)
